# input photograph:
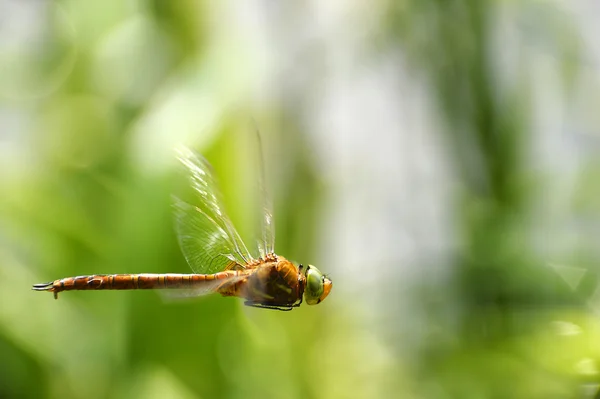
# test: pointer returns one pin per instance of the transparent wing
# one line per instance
(205, 244)
(266, 244)
(207, 237)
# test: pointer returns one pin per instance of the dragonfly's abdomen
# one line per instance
(145, 281)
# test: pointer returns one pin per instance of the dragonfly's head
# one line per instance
(317, 286)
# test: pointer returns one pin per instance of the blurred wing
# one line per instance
(266, 244)
(205, 227)
(207, 287)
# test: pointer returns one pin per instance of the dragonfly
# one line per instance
(217, 255)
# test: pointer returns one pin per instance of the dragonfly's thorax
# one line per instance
(272, 281)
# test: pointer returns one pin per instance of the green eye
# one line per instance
(314, 285)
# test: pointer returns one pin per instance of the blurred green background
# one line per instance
(438, 158)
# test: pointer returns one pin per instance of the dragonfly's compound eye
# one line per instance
(317, 286)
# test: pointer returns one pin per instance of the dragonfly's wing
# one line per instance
(267, 246)
(206, 288)
(205, 245)
(266, 243)
(207, 237)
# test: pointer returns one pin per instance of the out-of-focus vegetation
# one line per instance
(438, 158)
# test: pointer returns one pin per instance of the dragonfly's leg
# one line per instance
(264, 306)
(298, 303)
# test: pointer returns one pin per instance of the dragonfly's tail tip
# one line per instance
(43, 286)
(46, 287)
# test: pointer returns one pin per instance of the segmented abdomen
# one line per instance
(145, 281)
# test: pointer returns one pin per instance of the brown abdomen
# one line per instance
(145, 281)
